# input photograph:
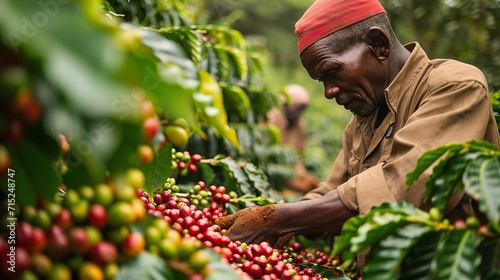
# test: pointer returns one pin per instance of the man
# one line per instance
(292, 127)
(403, 104)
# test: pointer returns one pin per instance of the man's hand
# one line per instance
(277, 223)
(255, 224)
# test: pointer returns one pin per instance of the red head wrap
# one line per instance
(327, 16)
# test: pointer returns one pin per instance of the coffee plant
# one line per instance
(408, 243)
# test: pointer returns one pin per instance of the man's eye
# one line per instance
(331, 73)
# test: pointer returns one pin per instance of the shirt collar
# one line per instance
(416, 62)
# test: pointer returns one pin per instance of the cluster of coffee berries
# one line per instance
(18, 111)
(197, 203)
(192, 215)
(91, 231)
(261, 261)
(299, 255)
(85, 235)
(184, 162)
(470, 223)
(158, 131)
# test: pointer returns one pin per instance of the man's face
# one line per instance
(355, 77)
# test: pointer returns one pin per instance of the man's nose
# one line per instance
(331, 90)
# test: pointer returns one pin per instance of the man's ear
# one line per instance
(379, 42)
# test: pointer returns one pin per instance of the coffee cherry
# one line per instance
(89, 270)
(79, 240)
(165, 196)
(168, 248)
(134, 244)
(103, 253)
(157, 198)
(111, 271)
(460, 224)
(192, 167)
(60, 271)
(41, 264)
(146, 153)
(86, 192)
(198, 260)
(150, 127)
(63, 219)
(97, 216)
(195, 158)
(57, 243)
(103, 194)
(39, 240)
(135, 178)
(125, 193)
(147, 109)
(121, 213)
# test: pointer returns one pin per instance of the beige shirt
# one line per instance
(431, 103)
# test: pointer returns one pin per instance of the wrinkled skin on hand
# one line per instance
(277, 223)
(255, 224)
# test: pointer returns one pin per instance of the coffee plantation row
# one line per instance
(116, 230)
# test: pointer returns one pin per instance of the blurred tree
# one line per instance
(466, 30)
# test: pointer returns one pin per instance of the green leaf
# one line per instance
(257, 179)
(86, 77)
(145, 266)
(231, 208)
(437, 172)
(484, 146)
(172, 82)
(377, 227)
(210, 105)
(207, 173)
(35, 173)
(482, 180)
(360, 232)
(158, 171)
(424, 162)
(235, 173)
(490, 258)
(211, 63)
(457, 257)
(167, 51)
(192, 42)
(342, 243)
(239, 59)
(385, 258)
(238, 99)
(448, 181)
(223, 64)
(417, 264)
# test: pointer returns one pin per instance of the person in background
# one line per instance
(403, 104)
(292, 127)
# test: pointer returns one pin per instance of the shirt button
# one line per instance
(367, 163)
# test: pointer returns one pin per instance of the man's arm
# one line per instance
(271, 222)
